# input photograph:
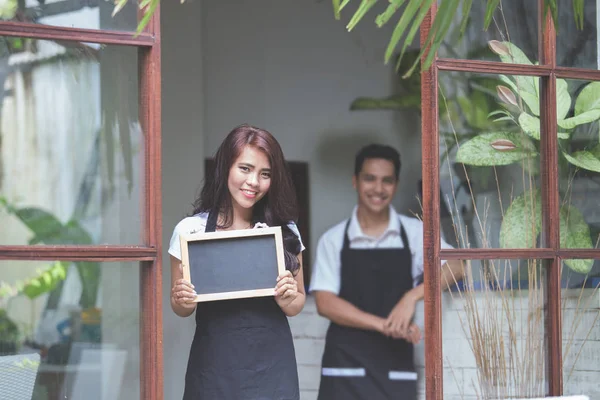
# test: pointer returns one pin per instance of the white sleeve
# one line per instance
(326, 274)
(196, 223)
(418, 251)
(294, 229)
(175, 245)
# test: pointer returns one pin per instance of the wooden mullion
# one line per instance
(78, 253)
(496, 254)
(550, 199)
(518, 254)
(151, 350)
(572, 73)
(434, 385)
(492, 67)
(36, 31)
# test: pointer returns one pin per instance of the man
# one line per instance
(367, 279)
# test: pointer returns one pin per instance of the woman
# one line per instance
(243, 349)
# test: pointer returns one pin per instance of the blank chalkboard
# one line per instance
(233, 264)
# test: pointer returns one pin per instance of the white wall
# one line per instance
(290, 67)
(182, 146)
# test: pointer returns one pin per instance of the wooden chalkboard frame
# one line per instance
(275, 232)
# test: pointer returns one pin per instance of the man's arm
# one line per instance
(342, 312)
(401, 316)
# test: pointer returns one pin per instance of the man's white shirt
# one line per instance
(327, 267)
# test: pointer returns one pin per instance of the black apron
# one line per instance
(242, 350)
(366, 365)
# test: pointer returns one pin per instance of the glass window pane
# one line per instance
(579, 165)
(515, 23)
(581, 331)
(88, 14)
(71, 147)
(489, 160)
(77, 323)
(577, 46)
(493, 332)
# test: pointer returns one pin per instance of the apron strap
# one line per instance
(211, 223)
(346, 244)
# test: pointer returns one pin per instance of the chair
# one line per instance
(17, 374)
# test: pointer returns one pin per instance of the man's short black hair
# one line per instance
(377, 151)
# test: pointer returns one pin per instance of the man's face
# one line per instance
(375, 184)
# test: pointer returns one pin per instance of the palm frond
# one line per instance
(414, 12)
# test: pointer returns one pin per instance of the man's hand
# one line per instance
(400, 318)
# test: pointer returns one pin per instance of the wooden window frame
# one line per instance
(149, 253)
(551, 252)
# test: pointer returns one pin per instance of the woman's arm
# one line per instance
(182, 291)
(289, 291)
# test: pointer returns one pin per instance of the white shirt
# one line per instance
(327, 267)
(197, 223)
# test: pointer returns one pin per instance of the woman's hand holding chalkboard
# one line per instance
(286, 290)
(183, 293)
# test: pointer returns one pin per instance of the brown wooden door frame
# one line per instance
(149, 253)
(551, 252)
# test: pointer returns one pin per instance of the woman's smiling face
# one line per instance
(249, 178)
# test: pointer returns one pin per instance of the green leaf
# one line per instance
(148, 12)
(578, 12)
(596, 151)
(575, 234)
(46, 280)
(362, 10)
(563, 99)
(522, 222)
(551, 6)
(118, 6)
(441, 25)
(467, 4)
(490, 8)
(344, 4)
(475, 109)
(588, 99)
(439, 29)
(336, 8)
(528, 84)
(412, 32)
(89, 273)
(480, 151)
(400, 28)
(391, 9)
(532, 101)
(40, 222)
(530, 125)
(583, 118)
(515, 56)
(584, 159)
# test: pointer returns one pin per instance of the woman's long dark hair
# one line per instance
(278, 206)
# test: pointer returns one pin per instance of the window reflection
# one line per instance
(70, 328)
(71, 145)
(87, 14)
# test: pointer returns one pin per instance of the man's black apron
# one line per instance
(242, 350)
(366, 365)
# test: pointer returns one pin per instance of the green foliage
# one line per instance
(522, 221)
(414, 12)
(46, 280)
(495, 148)
(9, 331)
(47, 229)
(522, 224)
